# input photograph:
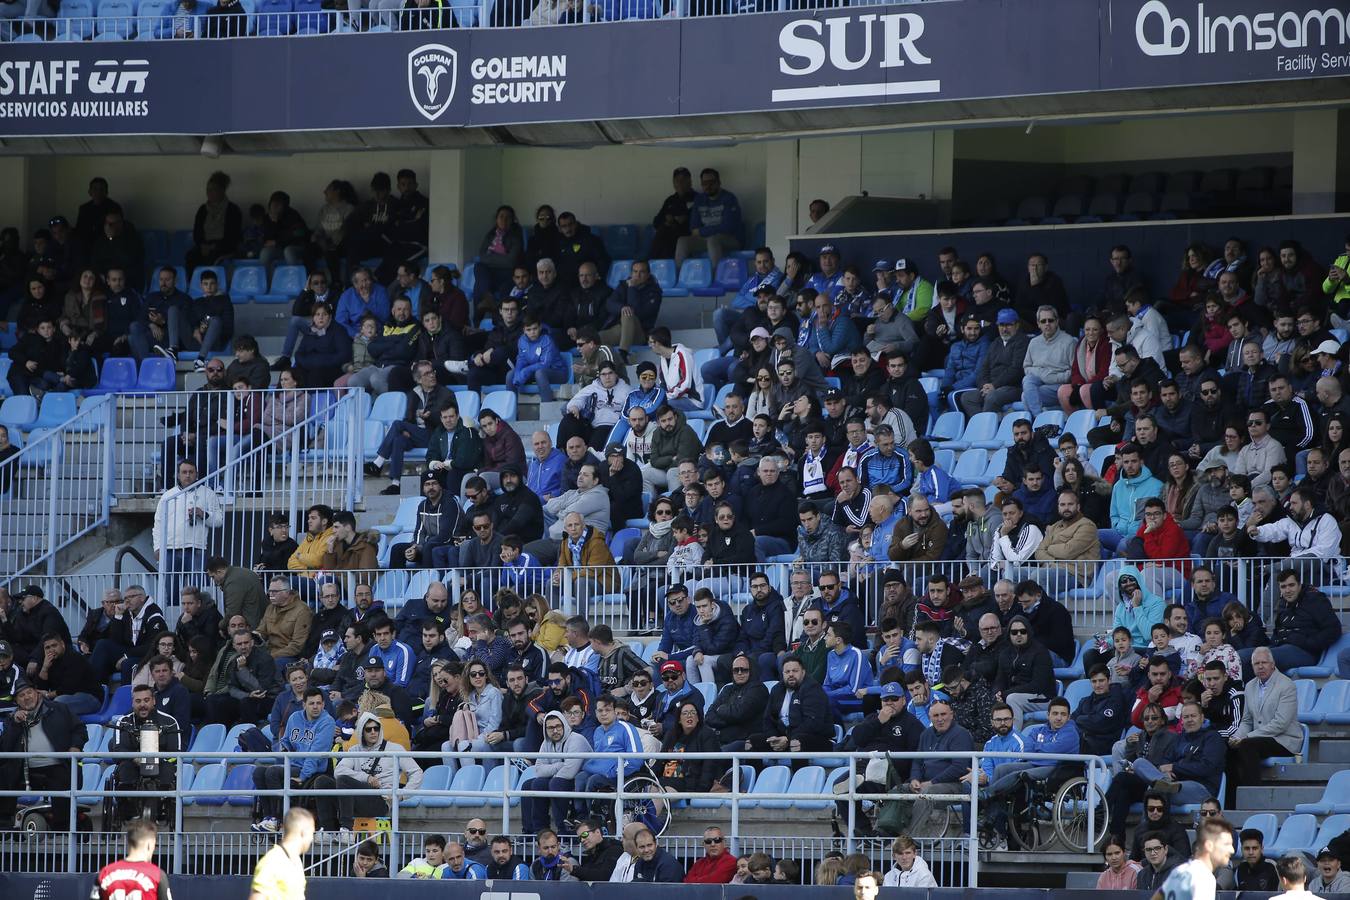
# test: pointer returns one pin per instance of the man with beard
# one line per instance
(1314, 542)
(1292, 423)
(1209, 417)
(1029, 451)
(762, 636)
(1071, 537)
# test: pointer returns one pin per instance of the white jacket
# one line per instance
(1319, 537)
(174, 530)
(918, 876)
(679, 375)
(608, 401)
(1014, 549)
(384, 768)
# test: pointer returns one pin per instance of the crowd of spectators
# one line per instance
(1222, 404)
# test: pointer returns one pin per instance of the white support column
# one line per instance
(1315, 144)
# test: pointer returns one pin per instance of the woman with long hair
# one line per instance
(1094, 494)
(1091, 363)
(499, 253)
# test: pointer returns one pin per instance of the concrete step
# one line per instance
(1272, 797)
(1331, 750)
(1304, 773)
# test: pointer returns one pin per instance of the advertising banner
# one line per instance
(834, 57)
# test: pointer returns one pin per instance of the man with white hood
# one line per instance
(368, 773)
(555, 770)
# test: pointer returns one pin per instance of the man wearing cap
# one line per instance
(438, 517)
(786, 352)
(182, 517)
(593, 411)
(829, 280)
(25, 626)
(1000, 373)
(624, 482)
(913, 295)
(1329, 879)
(36, 729)
(889, 332)
(517, 509)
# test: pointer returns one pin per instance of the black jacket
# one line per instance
(436, 523)
(734, 546)
(25, 630)
(1027, 670)
(772, 510)
(70, 673)
(1310, 624)
(808, 714)
(125, 728)
(598, 864)
(625, 494)
(695, 774)
(738, 709)
(520, 512)
(1101, 719)
(899, 735)
(63, 728)
(1052, 626)
(49, 355)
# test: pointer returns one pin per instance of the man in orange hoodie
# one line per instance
(717, 866)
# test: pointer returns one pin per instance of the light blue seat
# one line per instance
(1326, 666)
(240, 778)
(1080, 423)
(248, 282)
(948, 427)
(1106, 574)
(5, 389)
(1333, 703)
(230, 744)
(1332, 827)
(94, 777)
(79, 24)
(207, 740)
(389, 586)
(469, 404)
(495, 779)
(468, 778)
(709, 692)
(389, 407)
(945, 460)
(731, 274)
(1097, 459)
(1074, 670)
(1075, 691)
(1306, 691)
(1297, 833)
(287, 282)
(696, 276)
(503, 403)
(211, 777)
(619, 270)
(747, 782)
(1267, 824)
(55, 409)
(806, 780)
(1002, 438)
(274, 17)
(773, 780)
(116, 17)
(663, 273)
(998, 461)
(931, 387)
(1290, 760)
(1049, 417)
(154, 22)
(419, 582)
(157, 375)
(19, 413)
(1335, 797)
(980, 428)
(970, 466)
(437, 778)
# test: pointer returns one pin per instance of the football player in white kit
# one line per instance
(1194, 880)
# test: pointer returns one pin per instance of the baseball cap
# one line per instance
(677, 588)
(827, 248)
(1328, 347)
(765, 286)
(881, 265)
(613, 450)
(670, 665)
(833, 394)
(892, 689)
(759, 331)
(904, 265)
(32, 590)
(6, 649)
(1007, 317)
(373, 662)
(329, 635)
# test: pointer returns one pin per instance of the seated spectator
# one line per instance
(1255, 872)
(247, 686)
(308, 728)
(1072, 536)
(285, 623)
(806, 725)
(554, 771)
(1330, 879)
(1121, 871)
(1059, 735)
(38, 362)
(430, 864)
(1015, 542)
(1025, 679)
(1159, 861)
(654, 865)
(933, 775)
(999, 376)
(847, 673)
(206, 323)
(1269, 722)
(65, 676)
(1102, 715)
(1191, 773)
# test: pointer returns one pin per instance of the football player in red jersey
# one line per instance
(135, 877)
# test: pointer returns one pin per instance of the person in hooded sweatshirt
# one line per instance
(556, 769)
(364, 773)
(738, 708)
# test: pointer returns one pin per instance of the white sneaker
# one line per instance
(344, 836)
(457, 366)
(269, 825)
(199, 365)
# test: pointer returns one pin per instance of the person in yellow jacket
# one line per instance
(1337, 283)
(308, 557)
(549, 626)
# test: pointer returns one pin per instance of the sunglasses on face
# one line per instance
(670, 676)
(1017, 631)
(740, 670)
(475, 831)
(372, 728)
(708, 842)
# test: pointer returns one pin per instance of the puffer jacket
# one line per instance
(719, 635)
(963, 364)
(762, 626)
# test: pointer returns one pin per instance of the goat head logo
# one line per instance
(431, 79)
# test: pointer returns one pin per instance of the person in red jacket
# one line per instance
(1162, 688)
(718, 866)
(1160, 538)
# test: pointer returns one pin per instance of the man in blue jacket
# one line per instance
(674, 688)
(839, 605)
(715, 634)
(612, 735)
(1102, 715)
(1191, 773)
(1060, 735)
(763, 632)
(935, 775)
(546, 465)
(847, 674)
(308, 730)
(714, 222)
(679, 633)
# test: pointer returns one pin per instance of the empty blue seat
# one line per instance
(287, 282)
(157, 375)
(389, 407)
(619, 270)
(1326, 666)
(731, 274)
(19, 413)
(663, 272)
(79, 24)
(696, 276)
(981, 428)
(436, 778)
(1001, 438)
(503, 403)
(1306, 692)
(274, 17)
(1297, 833)
(248, 282)
(947, 427)
(806, 780)
(208, 739)
(496, 779)
(622, 241)
(1332, 827)
(154, 22)
(1335, 796)
(998, 461)
(116, 17)
(468, 778)
(970, 467)
(773, 780)
(55, 409)
(210, 777)
(240, 778)
(310, 17)
(118, 376)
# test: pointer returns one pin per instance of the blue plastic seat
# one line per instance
(619, 270)
(1075, 691)
(1291, 760)
(1002, 438)
(806, 780)
(1074, 669)
(437, 778)
(389, 407)
(118, 376)
(208, 739)
(1080, 423)
(1326, 666)
(79, 25)
(94, 777)
(274, 17)
(747, 783)
(709, 692)
(5, 390)
(731, 274)
(696, 276)
(55, 409)
(248, 282)
(496, 779)
(773, 780)
(287, 281)
(116, 17)
(310, 17)
(419, 582)
(1097, 459)
(970, 467)
(469, 404)
(503, 403)
(981, 428)
(154, 22)
(622, 541)
(19, 413)
(1297, 833)
(1306, 691)
(240, 778)
(1335, 796)
(210, 777)
(157, 375)
(998, 461)
(622, 241)
(663, 272)
(468, 778)
(1333, 703)
(119, 705)
(948, 427)
(1332, 827)
(390, 585)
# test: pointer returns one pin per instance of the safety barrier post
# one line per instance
(973, 840)
(395, 858)
(178, 819)
(735, 804)
(852, 800)
(72, 833)
(55, 439)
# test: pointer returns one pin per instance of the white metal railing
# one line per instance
(853, 765)
(631, 599)
(311, 19)
(57, 488)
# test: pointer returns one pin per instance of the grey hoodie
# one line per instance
(1205, 505)
(561, 766)
(384, 768)
(593, 505)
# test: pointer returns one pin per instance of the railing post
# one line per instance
(72, 833)
(852, 800)
(735, 804)
(109, 435)
(227, 463)
(56, 439)
(355, 447)
(1090, 803)
(395, 859)
(506, 797)
(973, 841)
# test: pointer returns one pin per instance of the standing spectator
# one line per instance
(182, 517)
(218, 226)
(578, 245)
(500, 251)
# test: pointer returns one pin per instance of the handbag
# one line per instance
(464, 726)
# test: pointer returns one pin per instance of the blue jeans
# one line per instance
(141, 338)
(1036, 394)
(723, 319)
(767, 545)
(1191, 791)
(1343, 663)
(399, 439)
(297, 327)
(593, 781)
(213, 338)
(533, 809)
(718, 371)
(187, 566)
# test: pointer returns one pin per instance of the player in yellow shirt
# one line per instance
(280, 874)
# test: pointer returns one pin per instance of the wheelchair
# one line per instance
(644, 801)
(1056, 809)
